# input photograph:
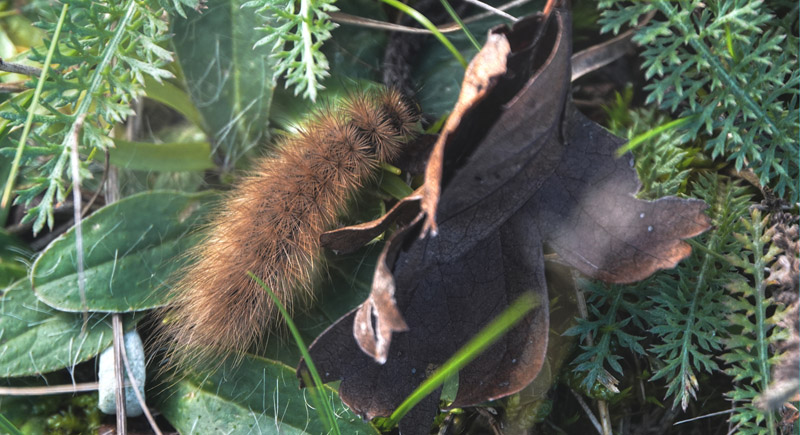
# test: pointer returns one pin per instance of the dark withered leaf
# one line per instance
(349, 239)
(516, 167)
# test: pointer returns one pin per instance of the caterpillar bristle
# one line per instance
(400, 111)
(270, 224)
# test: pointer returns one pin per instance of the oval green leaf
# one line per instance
(130, 249)
(35, 338)
(14, 256)
(258, 396)
(229, 81)
(174, 97)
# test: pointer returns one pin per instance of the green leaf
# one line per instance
(7, 427)
(173, 156)
(321, 403)
(230, 82)
(394, 185)
(22, 32)
(730, 69)
(357, 52)
(131, 248)
(35, 338)
(172, 96)
(265, 398)
(13, 256)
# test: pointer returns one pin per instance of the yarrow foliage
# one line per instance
(105, 50)
(730, 68)
(297, 36)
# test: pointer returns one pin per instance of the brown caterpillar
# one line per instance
(270, 224)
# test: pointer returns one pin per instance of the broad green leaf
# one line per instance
(259, 396)
(130, 248)
(289, 111)
(13, 257)
(355, 52)
(173, 156)
(35, 338)
(7, 48)
(230, 82)
(172, 96)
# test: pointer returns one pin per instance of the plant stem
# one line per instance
(308, 54)
(96, 79)
(5, 204)
(760, 305)
(460, 23)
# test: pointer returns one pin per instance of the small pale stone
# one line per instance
(107, 400)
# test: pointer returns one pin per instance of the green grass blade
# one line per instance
(636, 141)
(485, 338)
(395, 186)
(7, 427)
(324, 407)
(460, 23)
(413, 13)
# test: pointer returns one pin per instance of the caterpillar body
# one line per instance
(270, 224)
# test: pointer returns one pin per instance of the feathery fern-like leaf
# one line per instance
(749, 357)
(687, 306)
(724, 65)
(104, 53)
(613, 310)
(296, 37)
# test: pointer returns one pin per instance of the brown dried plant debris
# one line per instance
(516, 167)
(784, 274)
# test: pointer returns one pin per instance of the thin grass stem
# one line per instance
(5, 202)
(413, 13)
(326, 411)
(639, 139)
(480, 342)
(7, 427)
(460, 23)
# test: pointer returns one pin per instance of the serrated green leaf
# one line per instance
(35, 338)
(131, 248)
(173, 156)
(265, 398)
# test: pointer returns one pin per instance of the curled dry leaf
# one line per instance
(516, 167)
(349, 239)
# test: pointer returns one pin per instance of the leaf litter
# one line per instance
(515, 169)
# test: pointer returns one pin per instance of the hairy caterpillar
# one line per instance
(270, 224)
